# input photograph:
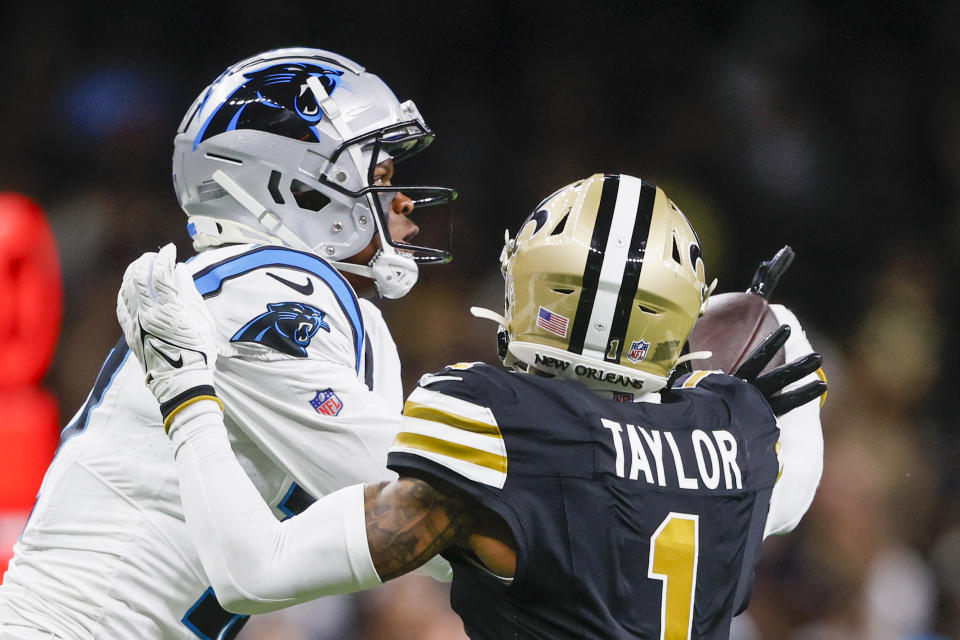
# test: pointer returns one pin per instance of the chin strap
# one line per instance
(706, 297)
(694, 355)
(487, 314)
(264, 216)
(393, 274)
(503, 338)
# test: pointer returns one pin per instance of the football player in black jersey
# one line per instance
(575, 493)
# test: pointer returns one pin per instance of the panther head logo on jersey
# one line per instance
(276, 100)
(287, 327)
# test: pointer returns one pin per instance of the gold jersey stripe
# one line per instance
(451, 450)
(186, 403)
(823, 376)
(695, 379)
(424, 412)
(776, 449)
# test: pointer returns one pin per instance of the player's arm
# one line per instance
(801, 440)
(795, 392)
(346, 541)
(411, 520)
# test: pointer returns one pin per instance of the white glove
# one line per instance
(169, 330)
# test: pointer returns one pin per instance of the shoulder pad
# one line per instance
(273, 302)
(476, 382)
(457, 433)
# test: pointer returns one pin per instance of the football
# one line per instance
(734, 324)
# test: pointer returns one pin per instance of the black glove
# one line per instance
(770, 384)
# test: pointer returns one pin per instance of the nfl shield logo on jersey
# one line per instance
(638, 351)
(327, 403)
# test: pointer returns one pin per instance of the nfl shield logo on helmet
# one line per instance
(327, 403)
(638, 351)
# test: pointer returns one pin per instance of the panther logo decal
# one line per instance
(287, 327)
(276, 100)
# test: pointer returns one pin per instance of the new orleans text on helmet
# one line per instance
(584, 371)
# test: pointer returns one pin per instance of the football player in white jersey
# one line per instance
(284, 167)
(527, 483)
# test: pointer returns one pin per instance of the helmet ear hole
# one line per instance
(273, 186)
(557, 230)
(676, 252)
(307, 197)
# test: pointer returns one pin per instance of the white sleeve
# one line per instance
(255, 563)
(801, 443)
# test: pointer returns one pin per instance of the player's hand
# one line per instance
(773, 383)
(168, 329)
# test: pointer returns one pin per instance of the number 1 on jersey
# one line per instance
(674, 548)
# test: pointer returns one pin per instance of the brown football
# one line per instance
(734, 324)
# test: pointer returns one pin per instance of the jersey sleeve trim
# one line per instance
(776, 450)
(691, 380)
(209, 281)
(823, 376)
(462, 436)
(423, 412)
(442, 449)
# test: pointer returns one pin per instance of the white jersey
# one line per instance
(106, 552)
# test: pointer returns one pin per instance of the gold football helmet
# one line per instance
(603, 284)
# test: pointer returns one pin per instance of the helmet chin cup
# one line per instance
(394, 274)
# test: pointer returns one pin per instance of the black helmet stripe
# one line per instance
(631, 273)
(591, 272)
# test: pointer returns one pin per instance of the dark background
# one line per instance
(829, 126)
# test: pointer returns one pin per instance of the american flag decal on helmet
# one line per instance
(327, 403)
(552, 322)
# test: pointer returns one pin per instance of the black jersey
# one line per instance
(631, 520)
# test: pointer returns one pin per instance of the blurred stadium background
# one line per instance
(829, 126)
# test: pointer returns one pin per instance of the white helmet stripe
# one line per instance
(631, 275)
(596, 340)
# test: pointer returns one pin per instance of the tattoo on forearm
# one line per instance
(409, 522)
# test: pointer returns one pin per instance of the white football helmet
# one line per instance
(281, 149)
